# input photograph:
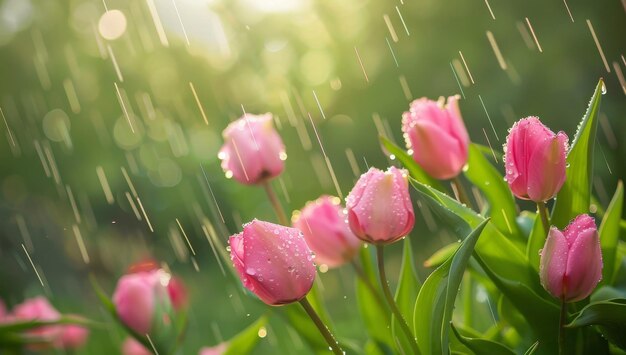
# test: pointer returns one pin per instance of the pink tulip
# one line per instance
(133, 347)
(273, 262)
(73, 336)
(437, 136)
(138, 296)
(571, 261)
(214, 350)
(253, 151)
(379, 206)
(38, 309)
(3, 310)
(535, 160)
(175, 287)
(326, 232)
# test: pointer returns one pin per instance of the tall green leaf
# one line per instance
(435, 302)
(536, 240)
(575, 195)
(482, 346)
(244, 342)
(406, 294)
(609, 315)
(609, 234)
(407, 161)
(501, 202)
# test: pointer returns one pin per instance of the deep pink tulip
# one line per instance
(133, 347)
(326, 232)
(253, 151)
(571, 261)
(72, 336)
(535, 160)
(214, 350)
(437, 136)
(138, 296)
(39, 309)
(273, 261)
(175, 286)
(379, 206)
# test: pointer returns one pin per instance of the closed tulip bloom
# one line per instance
(73, 336)
(571, 261)
(253, 151)
(379, 206)
(175, 286)
(273, 261)
(436, 135)
(535, 160)
(326, 232)
(133, 347)
(139, 296)
(38, 309)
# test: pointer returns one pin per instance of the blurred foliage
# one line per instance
(79, 110)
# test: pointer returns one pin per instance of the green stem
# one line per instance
(545, 219)
(368, 283)
(278, 208)
(562, 322)
(462, 194)
(334, 346)
(391, 302)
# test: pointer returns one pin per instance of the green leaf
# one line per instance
(244, 342)
(407, 161)
(609, 315)
(441, 255)
(501, 202)
(532, 348)
(406, 294)
(20, 326)
(575, 195)
(609, 234)
(435, 302)
(536, 240)
(373, 309)
(482, 346)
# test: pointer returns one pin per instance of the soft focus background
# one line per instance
(111, 123)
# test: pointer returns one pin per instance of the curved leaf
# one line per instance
(609, 315)
(440, 256)
(482, 346)
(244, 342)
(406, 294)
(575, 195)
(609, 234)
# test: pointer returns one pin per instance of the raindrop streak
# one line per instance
(489, 118)
(534, 36)
(361, 63)
(81, 243)
(118, 72)
(195, 95)
(211, 191)
(466, 67)
(620, 76)
(181, 22)
(595, 39)
(9, 133)
(490, 147)
(318, 104)
(392, 31)
(490, 11)
(145, 216)
(157, 23)
(392, 53)
(496, 50)
(108, 194)
(568, 11)
(185, 235)
(33, 265)
(403, 23)
(405, 88)
(457, 79)
(328, 164)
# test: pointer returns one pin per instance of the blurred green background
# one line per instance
(88, 97)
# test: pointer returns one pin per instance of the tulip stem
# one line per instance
(392, 302)
(368, 283)
(461, 193)
(545, 219)
(562, 322)
(330, 339)
(278, 208)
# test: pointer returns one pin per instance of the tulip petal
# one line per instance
(584, 266)
(546, 168)
(553, 262)
(457, 126)
(576, 226)
(134, 302)
(438, 152)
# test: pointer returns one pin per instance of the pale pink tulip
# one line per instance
(326, 232)
(535, 160)
(436, 135)
(214, 350)
(38, 309)
(73, 336)
(175, 286)
(273, 261)
(133, 347)
(253, 152)
(379, 206)
(571, 261)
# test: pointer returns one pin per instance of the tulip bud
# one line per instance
(38, 309)
(73, 336)
(141, 298)
(436, 135)
(133, 347)
(535, 160)
(253, 151)
(379, 206)
(571, 261)
(214, 350)
(326, 232)
(175, 286)
(273, 262)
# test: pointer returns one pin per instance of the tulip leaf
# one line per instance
(411, 165)
(536, 240)
(575, 195)
(482, 346)
(441, 255)
(373, 309)
(609, 316)
(408, 288)
(435, 302)
(501, 202)
(531, 350)
(244, 342)
(609, 234)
